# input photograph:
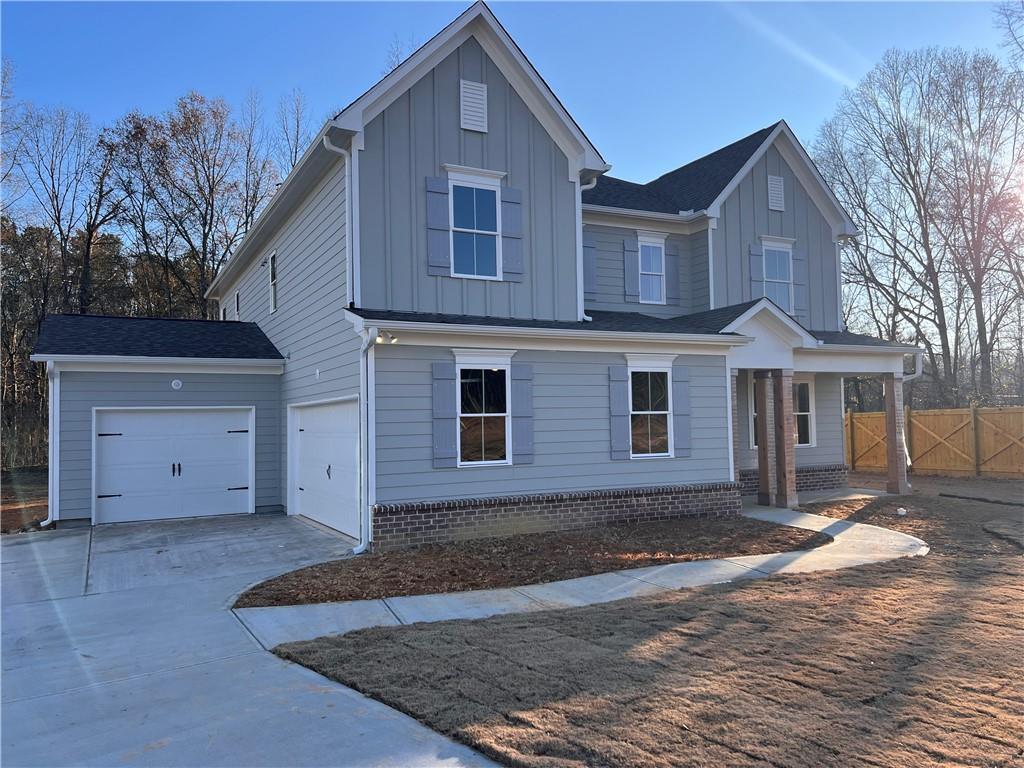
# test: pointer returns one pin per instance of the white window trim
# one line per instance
(657, 240)
(809, 381)
(651, 364)
(238, 306)
(473, 359)
(479, 179)
(779, 244)
(272, 281)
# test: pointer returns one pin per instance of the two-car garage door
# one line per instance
(152, 464)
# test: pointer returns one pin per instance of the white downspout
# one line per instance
(53, 444)
(369, 337)
(349, 239)
(579, 239)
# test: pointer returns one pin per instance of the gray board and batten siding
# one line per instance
(409, 143)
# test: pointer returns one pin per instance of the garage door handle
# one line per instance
(179, 469)
(172, 469)
(328, 471)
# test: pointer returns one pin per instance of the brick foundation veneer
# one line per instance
(412, 524)
(816, 478)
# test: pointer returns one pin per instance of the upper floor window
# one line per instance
(483, 409)
(652, 269)
(476, 225)
(778, 272)
(272, 272)
(649, 412)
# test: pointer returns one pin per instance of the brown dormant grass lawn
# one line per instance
(908, 663)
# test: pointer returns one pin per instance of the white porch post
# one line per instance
(764, 479)
(894, 436)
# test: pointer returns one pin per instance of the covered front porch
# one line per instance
(787, 405)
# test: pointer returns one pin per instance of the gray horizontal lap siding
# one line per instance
(81, 391)
(309, 326)
(828, 419)
(745, 218)
(572, 440)
(410, 141)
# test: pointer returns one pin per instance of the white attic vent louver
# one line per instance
(776, 194)
(473, 106)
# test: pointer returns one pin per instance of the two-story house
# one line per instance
(451, 322)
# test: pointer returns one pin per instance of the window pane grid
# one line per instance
(649, 412)
(474, 231)
(802, 414)
(652, 273)
(778, 276)
(483, 415)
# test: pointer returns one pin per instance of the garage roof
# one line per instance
(104, 336)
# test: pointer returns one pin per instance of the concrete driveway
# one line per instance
(119, 648)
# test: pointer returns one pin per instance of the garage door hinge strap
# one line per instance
(232, 431)
(239, 488)
(109, 434)
(108, 495)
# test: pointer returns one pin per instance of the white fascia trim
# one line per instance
(653, 215)
(867, 348)
(613, 338)
(159, 364)
(478, 21)
(766, 305)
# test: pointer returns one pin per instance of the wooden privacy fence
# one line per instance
(955, 441)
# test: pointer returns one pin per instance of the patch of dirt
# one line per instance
(23, 498)
(526, 559)
(1005, 491)
(912, 662)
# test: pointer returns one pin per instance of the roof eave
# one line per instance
(141, 359)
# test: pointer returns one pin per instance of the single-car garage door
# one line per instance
(152, 464)
(326, 465)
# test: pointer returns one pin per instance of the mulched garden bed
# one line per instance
(23, 504)
(526, 559)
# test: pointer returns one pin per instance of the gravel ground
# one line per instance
(911, 662)
(527, 559)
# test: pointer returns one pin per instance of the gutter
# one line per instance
(682, 216)
(708, 339)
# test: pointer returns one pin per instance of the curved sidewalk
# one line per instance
(853, 544)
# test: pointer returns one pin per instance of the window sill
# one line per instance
(495, 279)
(464, 464)
(645, 456)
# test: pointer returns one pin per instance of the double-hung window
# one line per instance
(484, 385)
(652, 268)
(803, 413)
(778, 271)
(476, 224)
(272, 271)
(650, 412)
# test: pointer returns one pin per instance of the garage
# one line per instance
(324, 456)
(161, 463)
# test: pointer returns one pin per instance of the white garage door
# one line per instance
(176, 462)
(326, 465)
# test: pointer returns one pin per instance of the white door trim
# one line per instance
(252, 442)
(291, 448)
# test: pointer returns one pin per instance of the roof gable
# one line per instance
(480, 23)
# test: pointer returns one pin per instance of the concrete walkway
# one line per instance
(119, 648)
(854, 544)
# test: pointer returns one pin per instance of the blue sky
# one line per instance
(653, 84)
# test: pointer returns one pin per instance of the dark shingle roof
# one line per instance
(152, 337)
(692, 187)
(710, 322)
(857, 339)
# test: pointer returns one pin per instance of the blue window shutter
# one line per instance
(801, 294)
(681, 410)
(631, 264)
(439, 243)
(589, 267)
(522, 413)
(672, 286)
(512, 235)
(445, 415)
(618, 398)
(756, 273)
